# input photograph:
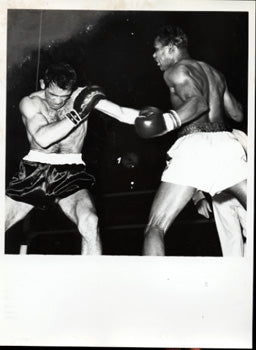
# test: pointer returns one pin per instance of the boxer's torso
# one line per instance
(208, 81)
(72, 143)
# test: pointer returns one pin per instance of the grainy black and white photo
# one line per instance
(126, 133)
(128, 152)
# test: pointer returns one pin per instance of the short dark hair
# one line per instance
(170, 34)
(62, 74)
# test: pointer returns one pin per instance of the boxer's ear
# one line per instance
(42, 84)
(171, 47)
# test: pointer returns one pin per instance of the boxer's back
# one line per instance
(208, 82)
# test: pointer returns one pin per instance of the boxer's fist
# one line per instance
(84, 103)
(150, 123)
(87, 100)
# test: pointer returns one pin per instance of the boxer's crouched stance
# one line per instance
(55, 119)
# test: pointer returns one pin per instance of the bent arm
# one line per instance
(42, 131)
(122, 114)
(232, 107)
(193, 102)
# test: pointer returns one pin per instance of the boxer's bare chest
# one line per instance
(73, 142)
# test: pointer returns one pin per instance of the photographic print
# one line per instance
(129, 174)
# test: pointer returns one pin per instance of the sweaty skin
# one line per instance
(49, 131)
(198, 92)
(42, 121)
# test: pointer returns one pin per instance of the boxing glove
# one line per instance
(84, 103)
(152, 122)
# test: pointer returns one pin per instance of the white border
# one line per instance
(127, 301)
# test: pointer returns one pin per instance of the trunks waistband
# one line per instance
(203, 127)
(54, 158)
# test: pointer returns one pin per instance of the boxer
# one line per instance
(206, 156)
(56, 119)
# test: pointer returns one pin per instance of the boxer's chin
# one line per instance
(56, 107)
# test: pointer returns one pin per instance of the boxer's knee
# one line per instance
(160, 222)
(153, 230)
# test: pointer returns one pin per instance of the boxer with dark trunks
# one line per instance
(55, 119)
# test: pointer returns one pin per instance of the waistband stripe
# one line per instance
(54, 158)
(203, 127)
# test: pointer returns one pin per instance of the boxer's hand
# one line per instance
(84, 103)
(152, 122)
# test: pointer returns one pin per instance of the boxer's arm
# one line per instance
(123, 114)
(232, 107)
(43, 132)
(189, 92)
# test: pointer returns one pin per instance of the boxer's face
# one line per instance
(162, 55)
(55, 96)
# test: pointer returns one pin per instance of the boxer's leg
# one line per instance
(170, 199)
(80, 209)
(15, 211)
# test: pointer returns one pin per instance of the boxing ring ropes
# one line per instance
(140, 199)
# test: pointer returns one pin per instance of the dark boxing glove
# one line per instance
(152, 122)
(84, 103)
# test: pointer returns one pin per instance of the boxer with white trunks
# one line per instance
(206, 155)
(229, 214)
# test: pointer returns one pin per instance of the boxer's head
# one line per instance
(168, 44)
(172, 35)
(59, 81)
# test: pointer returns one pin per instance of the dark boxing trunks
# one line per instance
(41, 184)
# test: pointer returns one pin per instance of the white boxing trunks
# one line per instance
(208, 161)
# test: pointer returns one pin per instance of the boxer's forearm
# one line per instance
(49, 134)
(122, 114)
(233, 108)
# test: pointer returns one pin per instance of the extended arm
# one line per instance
(191, 104)
(122, 114)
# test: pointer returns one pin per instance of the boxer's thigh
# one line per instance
(15, 211)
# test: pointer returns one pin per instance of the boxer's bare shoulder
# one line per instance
(31, 105)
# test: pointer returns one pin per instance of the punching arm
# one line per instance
(122, 114)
